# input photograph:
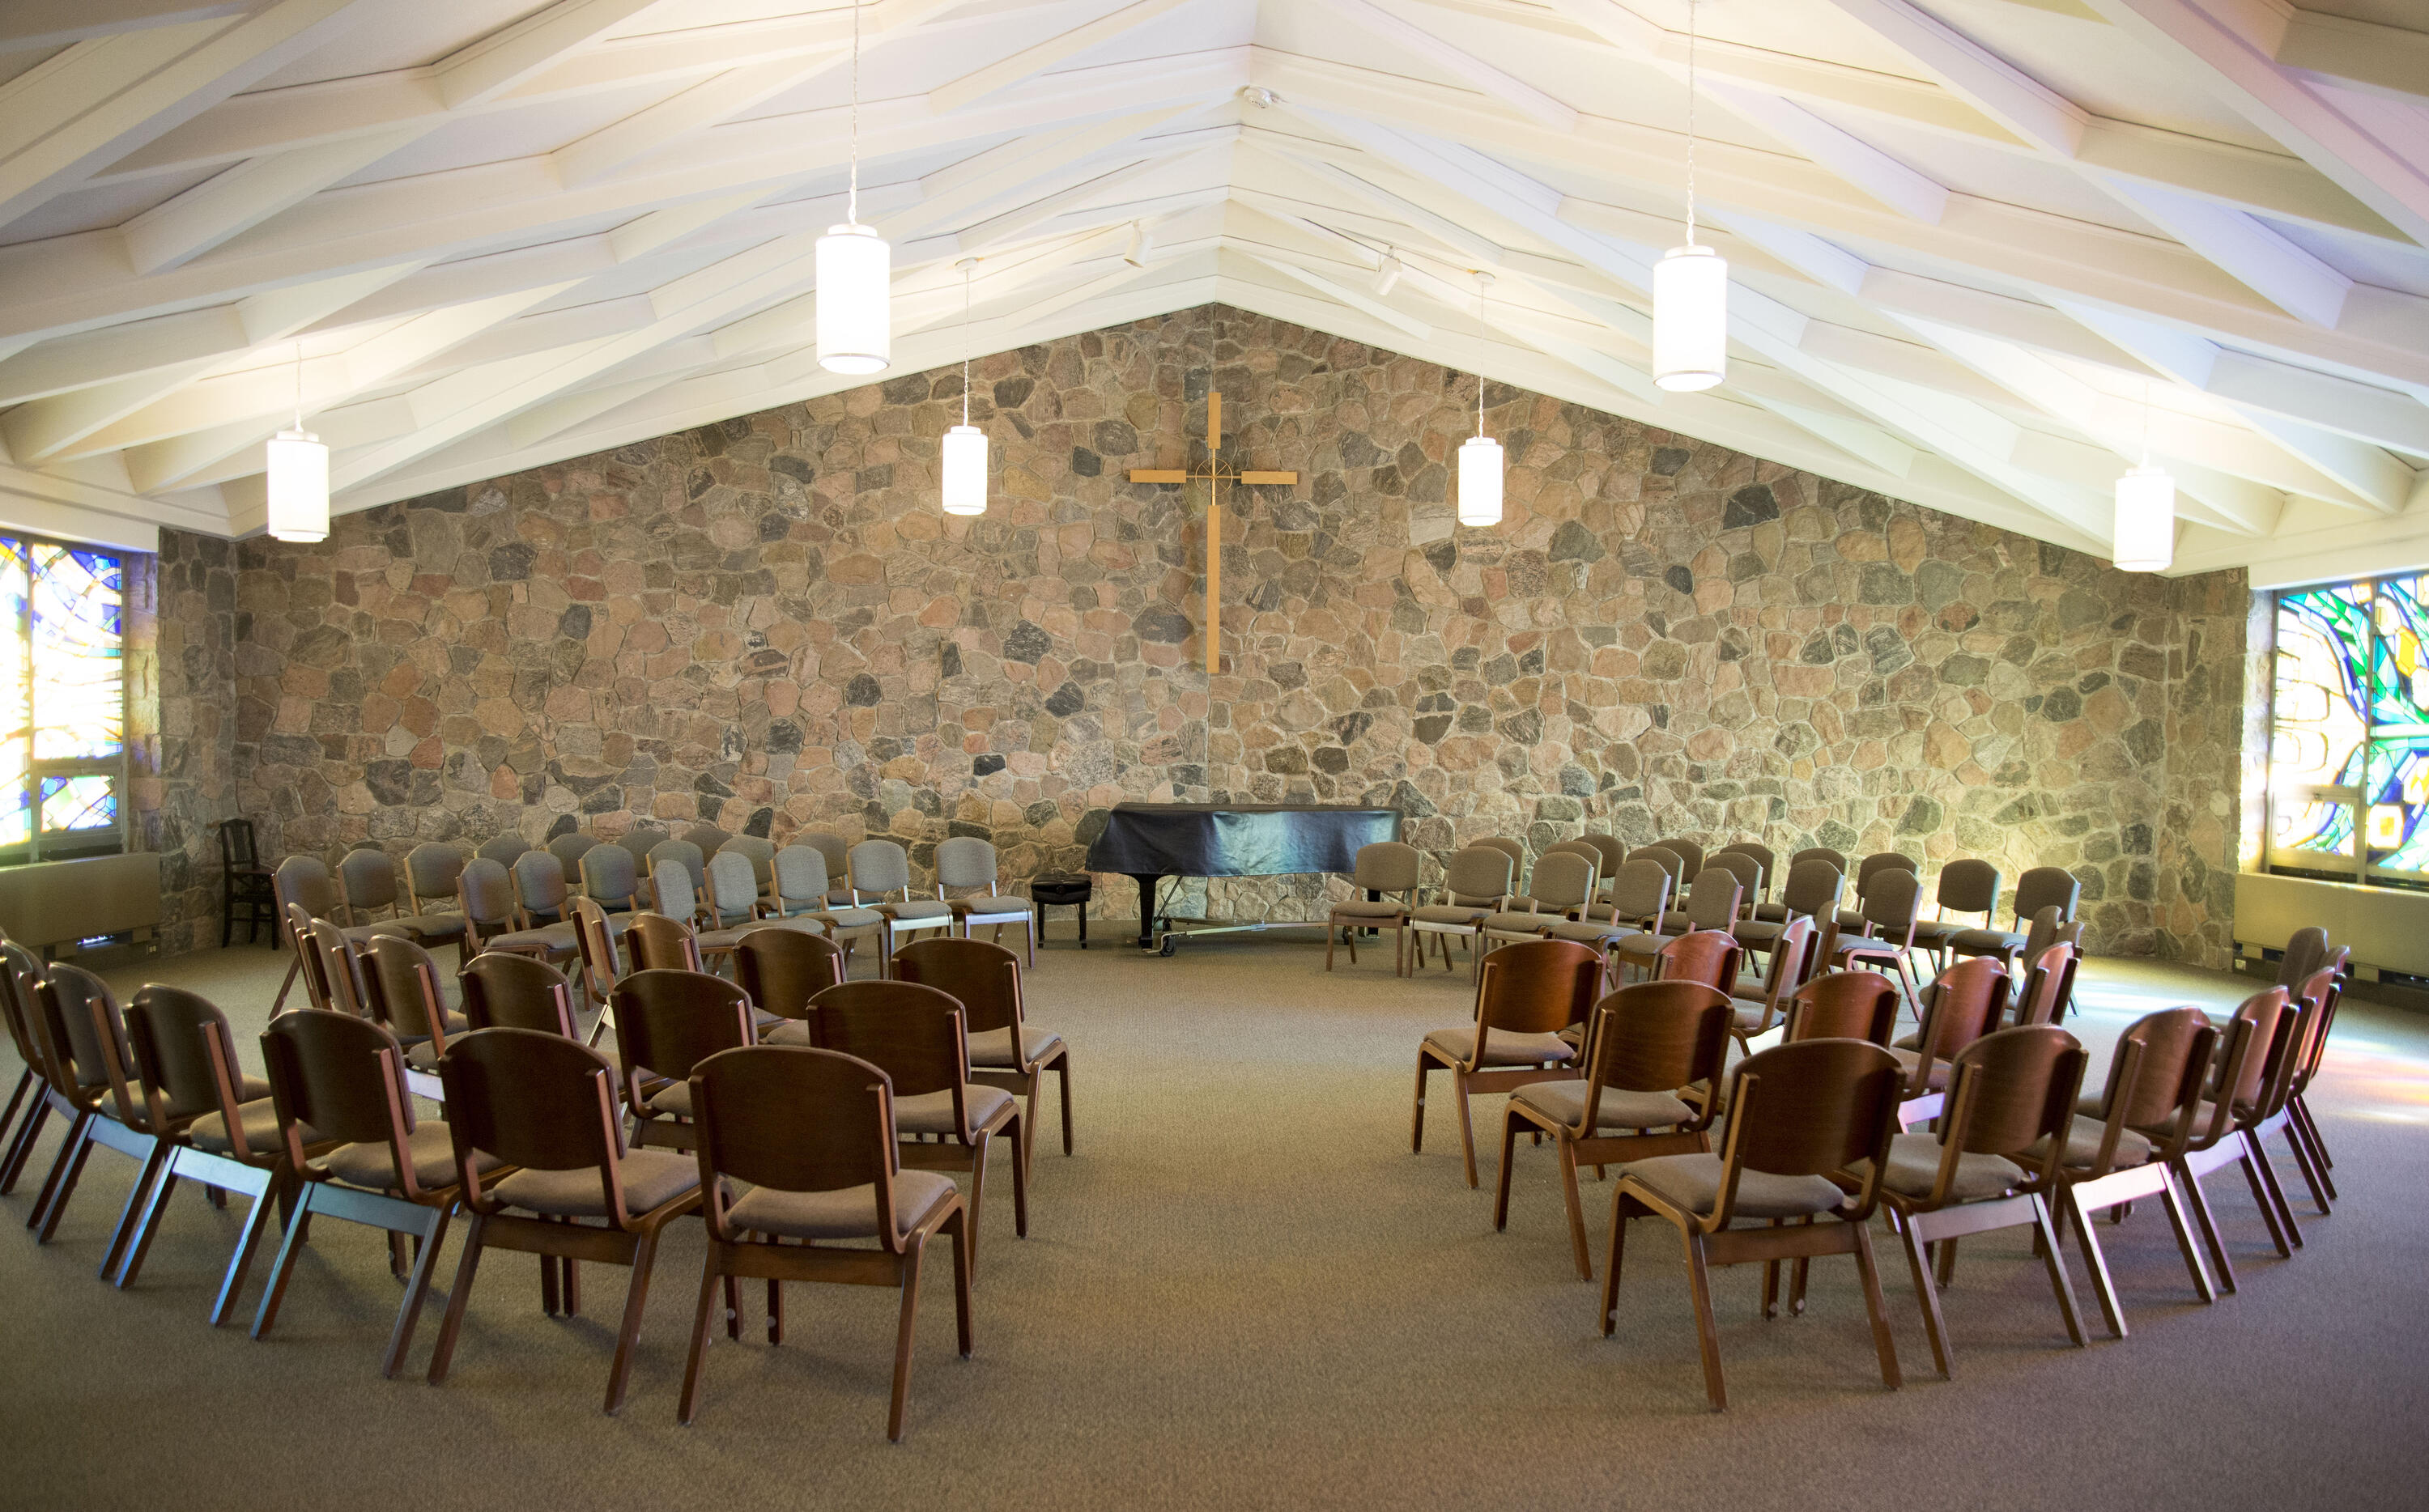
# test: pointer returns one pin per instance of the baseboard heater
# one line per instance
(54, 903)
(2386, 927)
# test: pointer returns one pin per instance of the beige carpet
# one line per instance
(1245, 1292)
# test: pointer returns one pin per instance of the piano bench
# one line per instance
(1063, 890)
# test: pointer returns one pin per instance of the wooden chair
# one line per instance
(1525, 995)
(2124, 1143)
(1652, 1047)
(1382, 868)
(1966, 1002)
(2049, 986)
(246, 895)
(708, 837)
(879, 877)
(1623, 926)
(405, 992)
(2039, 888)
(966, 863)
(915, 1035)
(90, 1070)
(368, 893)
(1610, 855)
(28, 1098)
(805, 889)
(1711, 903)
(1561, 887)
(595, 937)
(2307, 951)
(610, 881)
(1690, 854)
(761, 853)
(227, 1136)
(782, 970)
(2314, 1002)
(1991, 1163)
(1966, 886)
(1707, 955)
(1791, 955)
(431, 872)
(1475, 886)
(639, 842)
(678, 903)
(541, 890)
(667, 1022)
(503, 990)
(21, 986)
(492, 917)
(1845, 1005)
(813, 1134)
(337, 1078)
(1889, 920)
(1812, 891)
(2325, 987)
(731, 898)
(1516, 851)
(1527, 902)
(1798, 1112)
(568, 849)
(1005, 1049)
(2256, 1051)
(304, 887)
(546, 1106)
(655, 941)
(1669, 861)
(1779, 912)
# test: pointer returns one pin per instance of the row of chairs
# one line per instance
(1822, 1125)
(845, 1120)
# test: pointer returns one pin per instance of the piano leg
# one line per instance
(1147, 884)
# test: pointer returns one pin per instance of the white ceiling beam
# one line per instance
(483, 70)
(2391, 60)
(1457, 62)
(1367, 304)
(26, 26)
(993, 232)
(2280, 271)
(2006, 95)
(120, 351)
(1033, 60)
(242, 197)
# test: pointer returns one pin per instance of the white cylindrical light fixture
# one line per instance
(856, 290)
(299, 486)
(1479, 481)
(965, 470)
(1691, 318)
(2146, 519)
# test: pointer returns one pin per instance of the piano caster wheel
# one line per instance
(1170, 945)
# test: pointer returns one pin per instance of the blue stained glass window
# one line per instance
(62, 699)
(2349, 753)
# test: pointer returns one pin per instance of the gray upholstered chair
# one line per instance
(1749, 869)
(540, 893)
(1688, 851)
(569, 849)
(805, 889)
(503, 848)
(1562, 885)
(305, 882)
(1760, 890)
(1778, 912)
(1384, 868)
(1886, 929)
(1669, 861)
(671, 883)
(1636, 897)
(1712, 902)
(367, 880)
(761, 853)
(2052, 890)
(732, 896)
(967, 864)
(1812, 891)
(485, 895)
(1610, 855)
(609, 880)
(430, 871)
(639, 842)
(1475, 886)
(1517, 854)
(1525, 901)
(690, 856)
(1851, 921)
(708, 837)
(880, 878)
(1967, 886)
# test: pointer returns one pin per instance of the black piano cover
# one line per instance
(1237, 840)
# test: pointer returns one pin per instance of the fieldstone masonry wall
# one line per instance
(767, 623)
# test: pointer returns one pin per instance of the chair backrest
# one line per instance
(340, 1077)
(2049, 986)
(1712, 899)
(1668, 859)
(1838, 859)
(782, 969)
(1790, 963)
(184, 1057)
(913, 1032)
(594, 941)
(486, 891)
(1889, 905)
(304, 882)
(1640, 890)
(536, 1100)
(836, 851)
(1964, 1003)
(802, 876)
(1384, 866)
(1609, 854)
(341, 969)
(308, 957)
(982, 977)
(2043, 887)
(569, 849)
(669, 1021)
(2253, 1049)
(609, 878)
(1845, 1005)
(2008, 1091)
(654, 942)
(1690, 853)
(2306, 948)
(404, 987)
(732, 890)
(368, 878)
(1477, 876)
(20, 975)
(1764, 857)
(85, 1024)
(639, 842)
(1877, 864)
(539, 884)
(761, 853)
(1969, 886)
(2324, 988)
(237, 846)
(1537, 987)
(684, 853)
(1564, 880)
(965, 860)
(504, 848)
(792, 1119)
(1708, 956)
(504, 991)
(431, 870)
(1813, 888)
(708, 837)
(1659, 1036)
(1809, 1108)
(672, 888)
(2157, 1080)
(879, 868)
(1744, 865)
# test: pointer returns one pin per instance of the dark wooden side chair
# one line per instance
(2325, 987)
(1992, 1162)
(306, 891)
(1708, 956)
(92, 1075)
(947, 1122)
(2049, 986)
(1006, 1050)
(246, 895)
(1792, 951)
(335, 1077)
(510, 992)
(1653, 1047)
(595, 936)
(2255, 1048)
(1381, 869)
(1525, 995)
(546, 1106)
(1966, 1002)
(367, 886)
(655, 942)
(2127, 1140)
(1845, 1005)
(1783, 910)
(782, 970)
(2039, 888)
(1811, 889)
(20, 989)
(2306, 1012)
(666, 1022)
(485, 895)
(1798, 1113)
(409, 992)
(228, 1139)
(812, 1132)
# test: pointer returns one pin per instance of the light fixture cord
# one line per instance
(853, 210)
(966, 344)
(1690, 122)
(2146, 422)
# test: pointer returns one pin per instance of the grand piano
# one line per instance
(1151, 842)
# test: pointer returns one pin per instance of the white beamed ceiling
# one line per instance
(1986, 252)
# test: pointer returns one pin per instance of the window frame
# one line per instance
(2357, 870)
(71, 844)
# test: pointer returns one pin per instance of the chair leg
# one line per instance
(1020, 1177)
(13, 1164)
(1509, 1122)
(1417, 1115)
(1708, 1333)
(2262, 1174)
(1884, 1342)
(1331, 934)
(17, 1099)
(257, 1222)
(130, 1217)
(2045, 1243)
(145, 1226)
(1063, 1070)
(628, 1338)
(458, 1296)
(1575, 1204)
(416, 1291)
(2102, 1285)
(1934, 1325)
(914, 1252)
(2306, 1160)
(1466, 1123)
(2173, 1200)
(977, 1203)
(710, 1275)
(287, 984)
(775, 1311)
(67, 1168)
(299, 1226)
(2206, 1223)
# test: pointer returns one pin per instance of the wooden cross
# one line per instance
(1214, 478)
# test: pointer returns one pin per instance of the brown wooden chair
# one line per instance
(967, 864)
(1991, 1163)
(492, 917)
(1845, 1005)
(596, 934)
(2257, 1049)
(92, 1074)
(405, 991)
(1006, 1050)
(1966, 886)
(1708, 956)
(2323, 986)
(1798, 1112)
(657, 942)
(337, 1078)
(1525, 995)
(2124, 1143)
(30, 1098)
(782, 970)
(302, 885)
(2049, 986)
(1811, 889)
(546, 1104)
(1382, 868)
(1781, 911)
(667, 1022)
(1653, 1046)
(2309, 1008)
(1477, 884)
(947, 1121)
(1792, 949)
(1966, 1002)
(1561, 888)
(2040, 888)
(813, 1134)
(503, 991)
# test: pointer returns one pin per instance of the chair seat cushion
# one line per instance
(718, 939)
(1516, 921)
(1986, 942)
(1771, 914)
(1674, 921)
(1458, 916)
(651, 1179)
(1936, 932)
(917, 908)
(1759, 934)
(1746, 1014)
(1359, 908)
(371, 1166)
(429, 927)
(847, 1212)
(1911, 1058)
(257, 1117)
(673, 1099)
(2083, 1145)
(359, 933)
(1914, 1170)
(931, 1113)
(1692, 1182)
(987, 910)
(1565, 1101)
(792, 1031)
(992, 1047)
(1500, 1049)
(552, 938)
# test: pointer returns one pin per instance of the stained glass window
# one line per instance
(2349, 751)
(62, 699)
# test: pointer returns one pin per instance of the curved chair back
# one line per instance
(1763, 858)
(984, 978)
(1845, 1005)
(304, 882)
(761, 854)
(1659, 1036)
(1536, 987)
(308, 963)
(1690, 853)
(915, 1032)
(431, 870)
(340, 1077)
(684, 853)
(1712, 900)
(504, 849)
(1877, 863)
(341, 970)
(672, 888)
(708, 837)
(1813, 889)
(2049, 986)
(1744, 865)
(486, 891)
(2306, 949)
(1478, 877)
(83, 1020)
(802, 879)
(879, 869)
(1668, 859)
(733, 888)
(965, 860)
(1707, 955)
(782, 969)
(792, 1119)
(2043, 887)
(639, 842)
(569, 849)
(669, 1021)
(404, 995)
(1889, 903)
(1969, 886)
(1384, 866)
(1963, 1004)
(1838, 859)
(2009, 1092)
(368, 874)
(1640, 891)
(504, 991)
(537, 1100)
(1609, 854)
(594, 941)
(1811, 1107)
(2161, 1069)
(1564, 880)
(836, 851)
(1516, 851)
(2254, 1051)
(654, 942)
(185, 1055)
(608, 878)
(539, 886)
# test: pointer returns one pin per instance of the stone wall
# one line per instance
(181, 747)
(767, 623)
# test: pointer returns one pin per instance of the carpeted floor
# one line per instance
(1245, 1292)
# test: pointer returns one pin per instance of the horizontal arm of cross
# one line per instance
(1177, 475)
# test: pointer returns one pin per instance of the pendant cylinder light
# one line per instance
(855, 272)
(1480, 457)
(1691, 286)
(2146, 519)
(964, 449)
(298, 476)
